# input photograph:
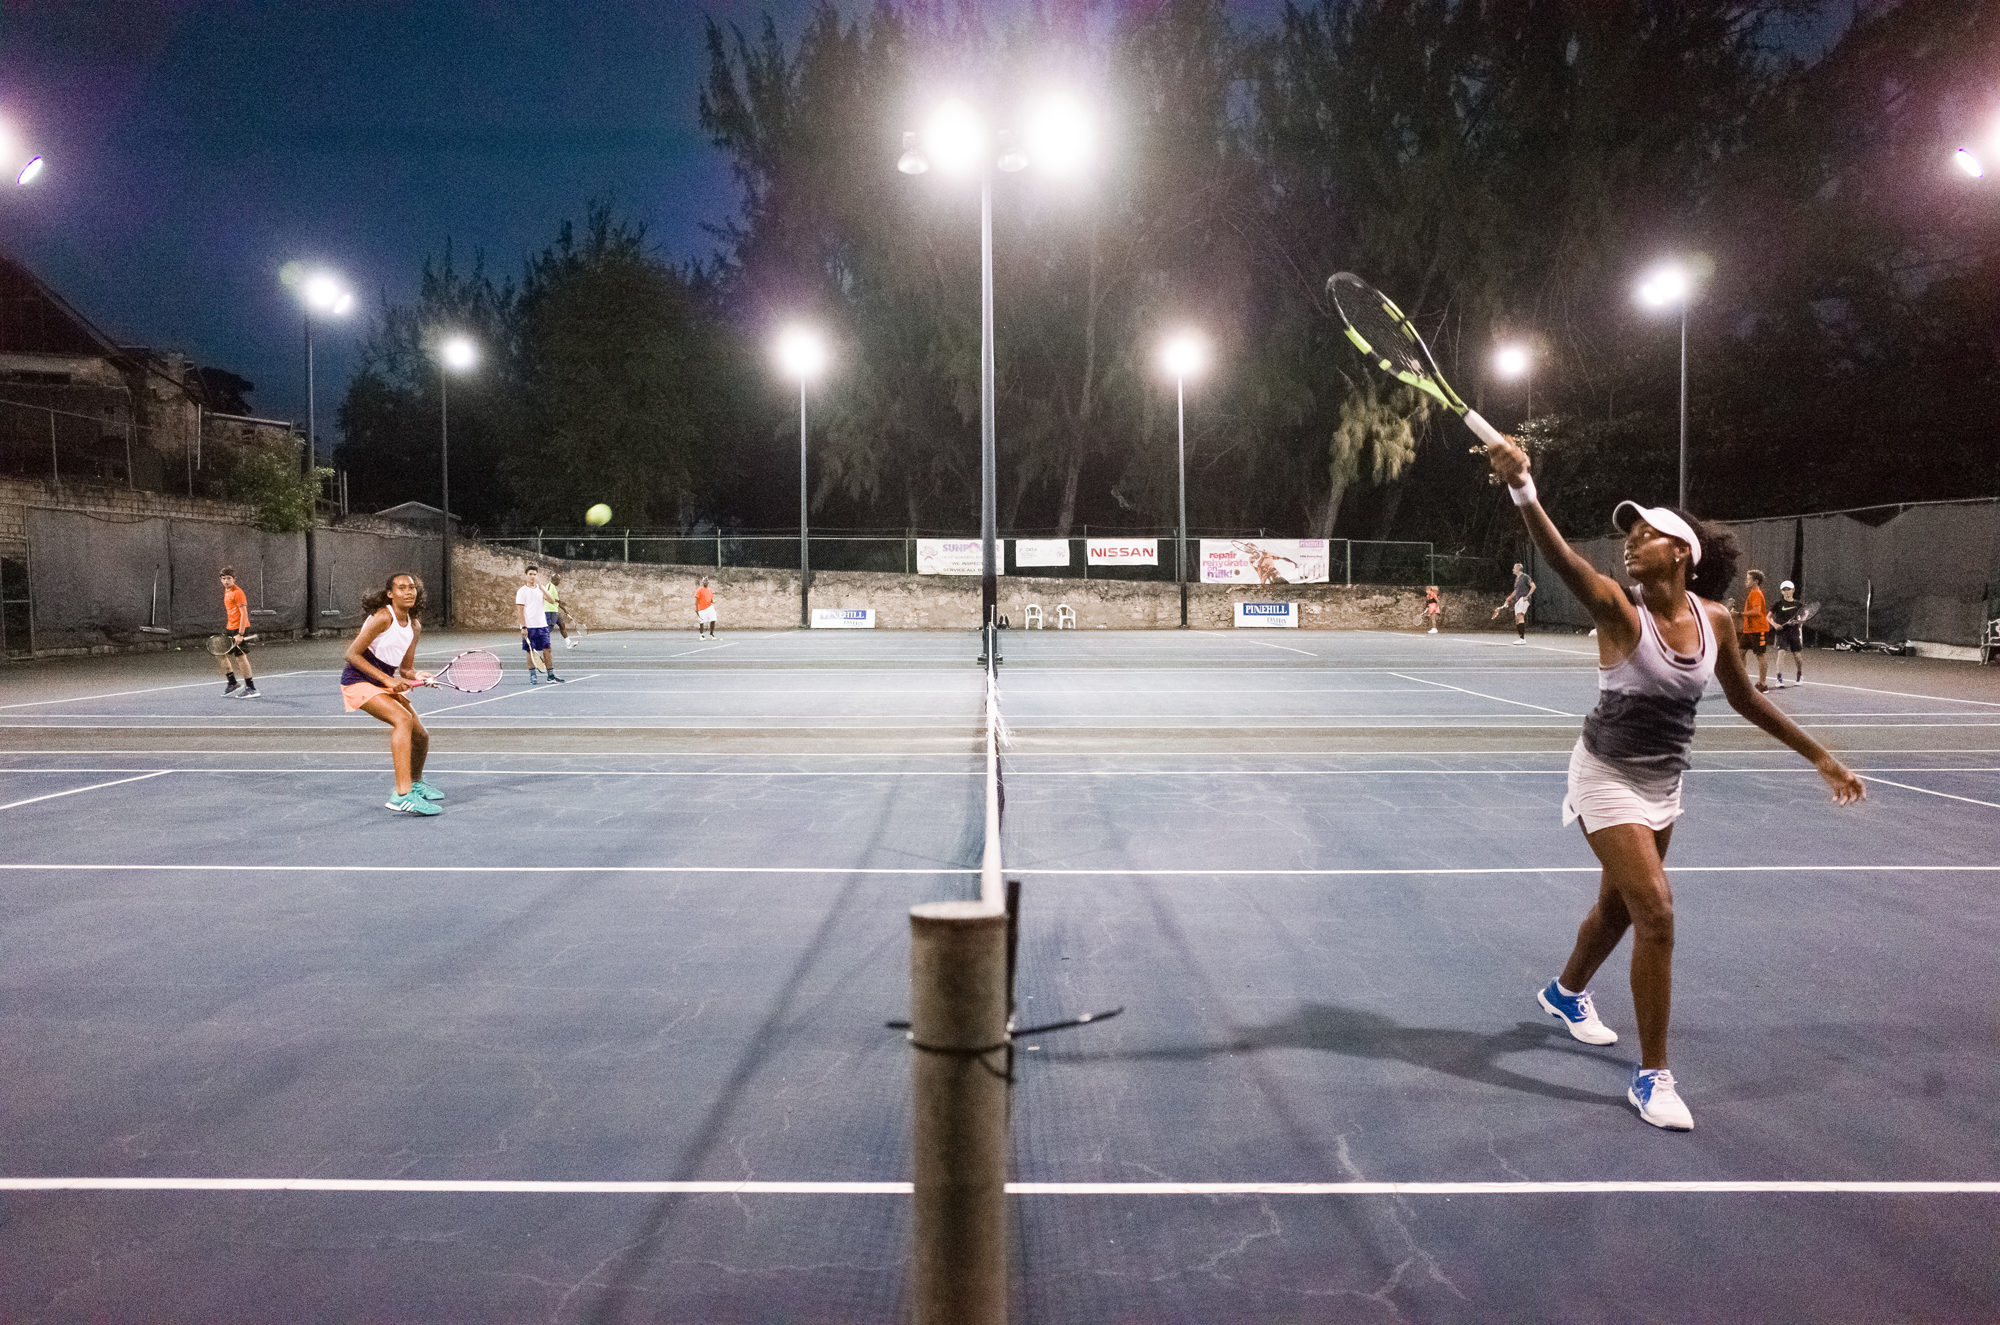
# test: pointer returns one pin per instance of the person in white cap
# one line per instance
(1657, 647)
(1791, 633)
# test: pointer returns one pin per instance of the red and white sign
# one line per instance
(1124, 551)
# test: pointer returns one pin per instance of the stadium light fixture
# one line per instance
(1671, 284)
(1060, 135)
(323, 293)
(1967, 162)
(1184, 354)
(1512, 362)
(458, 354)
(30, 171)
(802, 354)
(955, 140)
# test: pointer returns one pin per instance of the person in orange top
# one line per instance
(704, 609)
(236, 606)
(1757, 626)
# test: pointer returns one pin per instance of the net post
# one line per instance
(958, 972)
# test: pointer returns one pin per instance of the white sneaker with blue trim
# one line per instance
(1652, 1093)
(1576, 1012)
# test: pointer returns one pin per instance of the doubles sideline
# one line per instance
(415, 1186)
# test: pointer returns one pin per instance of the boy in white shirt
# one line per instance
(534, 624)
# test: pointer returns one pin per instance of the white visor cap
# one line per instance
(1786, 585)
(1661, 519)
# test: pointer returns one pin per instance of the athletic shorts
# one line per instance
(235, 650)
(1601, 794)
(536, 640)
(555, 621)
(1756, 641)
(1520, 607)
(1792, 639)
(706, 615)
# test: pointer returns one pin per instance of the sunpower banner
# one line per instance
(952, 556)
(1124, 551)
(1281, 615)
(1264, 560)
(1041, 552)
(843, 618)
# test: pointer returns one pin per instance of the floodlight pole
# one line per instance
(444, 477)
(312, 436)
(989, 589)
(805, 557)
(1180, 544)
(1684, 402)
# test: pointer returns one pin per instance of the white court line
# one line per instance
(1865, 777)
(953, 869)
(478, 1187)
(373, 771)
(76, 791)
(709, 649)
(475, 703)
(119, 694)
(1495, 698)
(1900, 694)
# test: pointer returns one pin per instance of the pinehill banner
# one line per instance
(1264, 560)
(1124, 551)
(951, 556)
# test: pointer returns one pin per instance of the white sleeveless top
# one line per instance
(1646, 703)
(393, 644)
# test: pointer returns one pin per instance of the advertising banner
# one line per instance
(951, 556)
(843, 618)
(1041, 552)
(1268, 614)
(1124, 551)
(1264, 560)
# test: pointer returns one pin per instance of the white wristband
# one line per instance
(1525, 493)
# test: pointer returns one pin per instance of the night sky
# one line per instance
(195, 148)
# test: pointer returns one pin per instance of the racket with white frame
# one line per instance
(471, 672)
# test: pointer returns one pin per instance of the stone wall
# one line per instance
(633, 596)
(17, 495)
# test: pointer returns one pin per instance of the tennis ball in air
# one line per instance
(598, 514)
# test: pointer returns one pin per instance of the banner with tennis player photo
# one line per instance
(1264, 560)
(952, 556)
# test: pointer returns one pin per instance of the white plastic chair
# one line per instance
(1990, 645)
(1032, 618)
(1065, 619)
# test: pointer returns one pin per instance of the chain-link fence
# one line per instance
(1351, 561)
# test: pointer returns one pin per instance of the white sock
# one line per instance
(1567, 993)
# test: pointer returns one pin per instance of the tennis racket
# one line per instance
(473, 671)
(1380, 330)
(1806, 614)
(578, 630)
(221, 644)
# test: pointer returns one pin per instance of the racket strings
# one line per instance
(1384, 334)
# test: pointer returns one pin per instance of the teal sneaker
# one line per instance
(411, 803)
(426, 790)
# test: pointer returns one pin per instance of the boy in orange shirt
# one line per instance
(236, 606)
(1757, 626)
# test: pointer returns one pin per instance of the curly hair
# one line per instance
(378, 600)
(1719, 557)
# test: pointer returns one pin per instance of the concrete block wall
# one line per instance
(17, 495)
(634, 596)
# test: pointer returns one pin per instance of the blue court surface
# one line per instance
(604, 1041)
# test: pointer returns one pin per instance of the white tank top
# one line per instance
(393, 644)
(1646, 702)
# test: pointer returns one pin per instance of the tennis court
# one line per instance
(605, 1040)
